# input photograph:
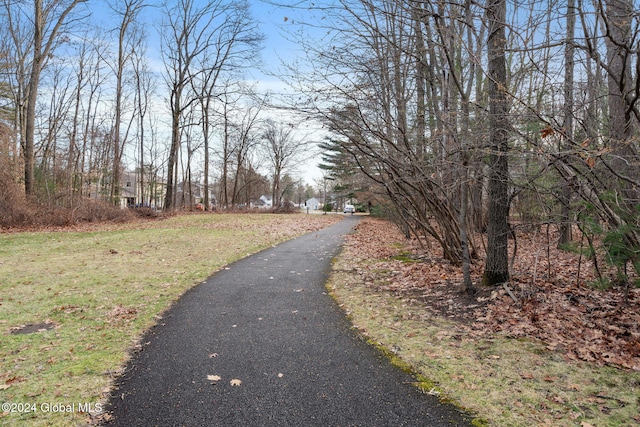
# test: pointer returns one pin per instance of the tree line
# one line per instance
(89, 89)
(479, 117)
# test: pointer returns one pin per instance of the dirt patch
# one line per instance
(32, 328)
(454, 304)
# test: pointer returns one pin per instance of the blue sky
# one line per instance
(272, 20)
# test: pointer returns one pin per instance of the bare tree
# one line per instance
(239, 112)
(246, 139)
(8, 143)
(53, 162)
(145, 85)
(207, 96)
(215, 37)
(47, 22)
(91, 166)
(85, 71)
(128, 43)
(13, 83)
(282, 147)
(396, 84)
(186, 34)
(567, 124)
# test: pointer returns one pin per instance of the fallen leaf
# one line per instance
(235, 382)
(548, 131)
(14, 380)
(599, 327)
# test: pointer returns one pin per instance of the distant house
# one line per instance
(133, 195)
(128, 189)
(190, 194)
(263, 202)
(186, 194)
(313, 204)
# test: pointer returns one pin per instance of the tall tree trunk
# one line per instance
(496, 268)
(619, 15)
(142, 111)
(32, 96)
(42, 46)
(173, 155)
(421, 82)
(115, 183)
(206, 200)
(225, 159)
(28, 149)
(567, 125)
(72, 165)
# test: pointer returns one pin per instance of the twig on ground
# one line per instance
(513, 297)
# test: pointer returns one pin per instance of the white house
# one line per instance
(313, 204)
(264, 202)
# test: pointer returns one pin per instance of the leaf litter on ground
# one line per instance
(560, 353)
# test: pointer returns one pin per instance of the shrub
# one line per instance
(16, 210)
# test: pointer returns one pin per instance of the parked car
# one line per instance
(349, 209)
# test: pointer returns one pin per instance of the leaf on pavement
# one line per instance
(214, 378)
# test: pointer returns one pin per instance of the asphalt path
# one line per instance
(283, 351)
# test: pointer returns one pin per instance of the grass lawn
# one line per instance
(88, 295)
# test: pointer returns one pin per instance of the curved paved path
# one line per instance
(268, 322)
